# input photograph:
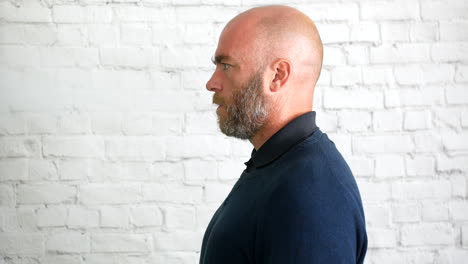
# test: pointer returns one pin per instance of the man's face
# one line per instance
(243, 113)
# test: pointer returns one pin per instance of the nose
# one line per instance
(213, 84)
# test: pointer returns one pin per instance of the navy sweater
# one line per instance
(296, 202)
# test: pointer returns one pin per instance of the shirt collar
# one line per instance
(294, 132)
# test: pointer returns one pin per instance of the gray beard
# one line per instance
(248, 112)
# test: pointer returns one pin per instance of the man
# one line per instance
(297, 200)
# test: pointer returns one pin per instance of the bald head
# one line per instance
(276, 32)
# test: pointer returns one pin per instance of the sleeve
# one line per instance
(302, 223)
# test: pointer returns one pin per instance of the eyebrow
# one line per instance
(219, 58)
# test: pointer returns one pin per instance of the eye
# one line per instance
(226, 66)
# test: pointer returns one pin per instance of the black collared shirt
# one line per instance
(296, 202)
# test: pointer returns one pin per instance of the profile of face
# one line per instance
(245, 111)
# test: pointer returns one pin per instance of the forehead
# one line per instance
(238, 41)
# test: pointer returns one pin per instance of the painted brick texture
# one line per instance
(110, 152)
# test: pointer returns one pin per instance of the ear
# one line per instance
(282, 70)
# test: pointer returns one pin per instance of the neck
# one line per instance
(271, 127)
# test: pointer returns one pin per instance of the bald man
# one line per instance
(297, 200)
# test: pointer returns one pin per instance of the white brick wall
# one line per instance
(110, 153)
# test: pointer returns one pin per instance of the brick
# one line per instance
(168, 34)
(400, 53)
(13, 169)
(457, 95)
(106, 123)
(381, 238)
(333, 56)
(377, 75)
(73, 123)
(230, 170)
(52, 216)
(427, 234)
(12, 124)
(395, 10)
(168, 171)
(205, 14)
(119, 243)
(79, 217)
(201, 123)
(11, 34)
(103, 35)
(395, 32)
(458, 210)
(48, 193)
(427, 142)
(167, 124)
(441, 10)
(171, 192)
(387, 120)
(356, 99)
(452, 163)
(452, 255)
(204, 215)
(32, 12)
(41, 123)
(137, 171)
(137, 124)
(209, 147)
(180, 218)
(18, 56)
(355, 121)
(387, 166)
(69, 56)
(68, 242)
(7, 196)
(461, 74)
(423, 31)
(73, 79)
(72, 35)
(383, 144)
(346, 76)
(135, 149)
(62, 259)
(455, 141)
(331, 11)
(186, 57)
(73, 169)
(343, 143)
(73, 146)
(449, 52)
(114, 217)
(420, 166)
(334, 33)
(415, 190)
(364, 32)
(68, 14)
(426, 96)
(417, 120)
(459, 187)
(465, 235)
(454, 31)
(357, 55)
(136, 34)
(361, 166)
(434, 211)
(145, 216)
(198, 171)
(27, 244)
(40, 170)
(37, 34)
(386, 256)
(177, 241)
(16, 147)
(193, 32)
(404, 213)
(195, 80)
(141, 14)
(130, 57)
(377, 215)
(95, 194)
(327, 121)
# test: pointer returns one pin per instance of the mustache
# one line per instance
(218, 100)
